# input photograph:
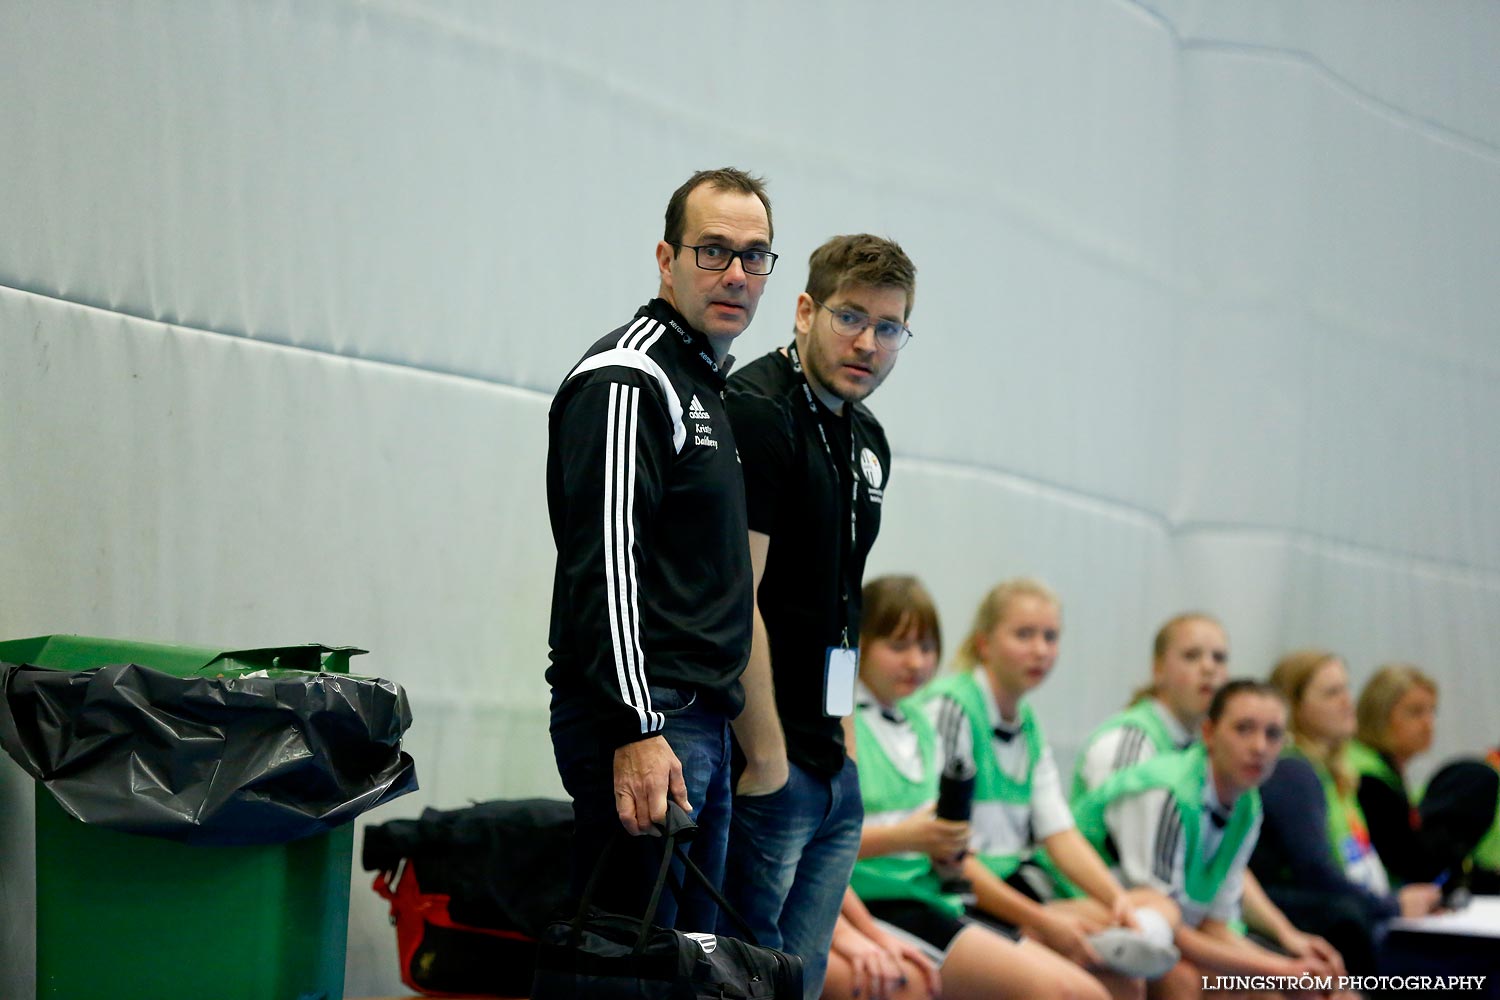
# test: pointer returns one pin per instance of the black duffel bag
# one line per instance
(470, 891)
(606, 955)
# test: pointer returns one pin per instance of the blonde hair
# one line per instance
(1378, 700)
(1163, 642)
(992, 612)
(1291, 676)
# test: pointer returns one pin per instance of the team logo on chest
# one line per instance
(703, 430)
(869, 464)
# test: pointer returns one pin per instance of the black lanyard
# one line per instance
(812, 404)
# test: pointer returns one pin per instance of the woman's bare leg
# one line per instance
(982, 964)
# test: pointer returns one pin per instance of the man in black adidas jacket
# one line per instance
(651, 600)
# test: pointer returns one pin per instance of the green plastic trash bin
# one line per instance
(124, 916)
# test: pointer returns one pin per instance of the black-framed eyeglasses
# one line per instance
(850, 322)
(716, 258)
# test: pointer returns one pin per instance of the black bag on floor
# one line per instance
(606, 955)
(470, 891)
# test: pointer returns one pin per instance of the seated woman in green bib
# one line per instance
(1314, 856)
(1184, 823)
(1189, 664)
(904, 844)
(1030, 868)
(1416, 842)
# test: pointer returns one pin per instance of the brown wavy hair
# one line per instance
(1291, 676)
(861, 259)
(897, 605)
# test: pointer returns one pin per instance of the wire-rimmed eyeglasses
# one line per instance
(851, 322)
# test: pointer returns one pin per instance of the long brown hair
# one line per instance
(896, 606)
(1291, 676)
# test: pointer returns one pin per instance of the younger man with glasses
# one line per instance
(815, 463)
(651, 599)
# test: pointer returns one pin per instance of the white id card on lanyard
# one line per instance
(838, 681)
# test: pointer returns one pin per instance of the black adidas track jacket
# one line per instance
(647, 503)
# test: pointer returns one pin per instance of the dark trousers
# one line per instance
(700, 738)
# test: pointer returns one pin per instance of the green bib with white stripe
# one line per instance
(991, 784)
(1183, 774)
(886, 789)
(1140, 716)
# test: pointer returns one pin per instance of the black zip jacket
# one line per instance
(647, 504)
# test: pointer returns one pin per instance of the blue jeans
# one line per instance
(790, 856)
(700, 738)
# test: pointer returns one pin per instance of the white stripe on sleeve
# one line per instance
(654, 721)
(619, 479)
(641, 361)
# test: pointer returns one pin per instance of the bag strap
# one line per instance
(663, 873)
(674, 830)
(734, 915)
(677, 829)
(684, 828)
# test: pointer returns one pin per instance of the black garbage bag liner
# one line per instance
(258, 758)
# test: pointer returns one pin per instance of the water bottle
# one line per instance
(955, 802)
(956, 790)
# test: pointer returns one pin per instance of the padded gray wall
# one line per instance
(1206, 318)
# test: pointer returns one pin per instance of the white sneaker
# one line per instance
(1130, 952)
(1154, 926)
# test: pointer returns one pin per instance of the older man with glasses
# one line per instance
(816, 463)
(651, 599)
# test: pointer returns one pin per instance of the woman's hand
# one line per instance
(1065, 934)
(1122, 912)
(876, 972)
(1419, 899)
(941, 839)
(903, 950)
(1319, 957)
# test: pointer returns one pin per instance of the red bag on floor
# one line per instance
(443, 958)
(470, 889)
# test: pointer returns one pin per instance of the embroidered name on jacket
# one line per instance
(702, 432)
